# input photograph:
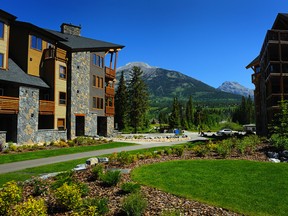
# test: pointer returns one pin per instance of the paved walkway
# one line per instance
(11, 167)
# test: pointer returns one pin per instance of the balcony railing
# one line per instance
(109, 72)
(109, 91)
(110, 111)
(9, 105)
(46, 107)
(51, 53)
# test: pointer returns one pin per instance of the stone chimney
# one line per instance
(70, 29)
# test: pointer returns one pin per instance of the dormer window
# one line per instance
(36, 42)
(1, 30)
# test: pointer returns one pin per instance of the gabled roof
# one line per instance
(79, 43)
(16, 75)
(7, 15)
(281, 22)
(254, 62)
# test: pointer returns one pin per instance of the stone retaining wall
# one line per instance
(48, 135)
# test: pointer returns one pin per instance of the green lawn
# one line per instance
(247, 187)
(8, 158)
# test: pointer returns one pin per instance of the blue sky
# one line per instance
(210, 40)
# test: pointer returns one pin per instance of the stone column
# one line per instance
(110, 126)
(27, 125)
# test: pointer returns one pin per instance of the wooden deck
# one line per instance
(9, 105)
(46, 107)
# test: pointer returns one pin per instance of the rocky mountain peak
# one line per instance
(235, 88)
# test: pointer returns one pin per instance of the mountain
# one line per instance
(236, 88)
(164, 85)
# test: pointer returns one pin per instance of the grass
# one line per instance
(247, 187)
(8, 158)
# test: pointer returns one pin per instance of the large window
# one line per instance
(1, 60)
(36, 42)
(62, 98)
(98, 82)
(98, 60)
(1, 30)
(62, 72)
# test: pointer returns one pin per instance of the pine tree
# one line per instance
(190, 113)
(174, 119)
(138, 99)
(121, 104)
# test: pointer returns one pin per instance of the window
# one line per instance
(98, 60)
(101, 82)
(1, 60)
(61, 124)
(62, 98)
(97, 103)
(1, 30)
(1, 91)
(36, 42)
(94, 81)
(94, 105)
(62, 72)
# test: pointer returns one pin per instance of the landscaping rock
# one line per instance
(273, 155)
(274, 160)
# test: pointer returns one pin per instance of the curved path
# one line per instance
(11, 167)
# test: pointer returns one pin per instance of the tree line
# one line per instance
(132, 109)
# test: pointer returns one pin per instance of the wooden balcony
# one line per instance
(110, 73)
(110, 111)
(57, 53)
(9, 105)
(46, 107)
(109, 91)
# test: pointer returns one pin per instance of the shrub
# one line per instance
(200, 150)
(178, 150)
(113, 157)
(12, 147)
(10, 195)
(134, 204)
(71, 143)
(68, 196)
(83, 188)
(100, 204)
(40, 186)
(97, 171)
(110, 178)
(224, 148)
(31, 207)
(123, 157)
(168, 151)
(130, 187)
(65, 177)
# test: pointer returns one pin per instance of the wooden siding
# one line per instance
(46, 107)
(4, 42)
(9, 105)
(110, 111)
(109, 72)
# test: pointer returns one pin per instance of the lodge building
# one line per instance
(54, 84)
(270, 75)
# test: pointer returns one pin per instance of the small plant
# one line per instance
(71, 143)
(200, 150)
(110, 178)
(10, 195)
(134, 204)
(65, 177)
(224, 148)
(83, 188)
(171, 213)
(178, 150)
(97, 171)
(31, 207)
(168, 151)
(130, 187)
(123, 158)
(68, 196)
(39, 186)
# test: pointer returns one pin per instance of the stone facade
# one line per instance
(110, 126)
(70, 29)
(80, 80)
(2, 137)
(27, 125)
(49, 135)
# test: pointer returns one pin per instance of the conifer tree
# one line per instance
(121, 104)
(174, 119)
(190, 113)
(138, 99)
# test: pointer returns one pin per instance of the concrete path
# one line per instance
(11, 167)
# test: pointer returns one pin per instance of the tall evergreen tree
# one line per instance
(138, 99)
(190, 112)
(121, 104)
(174, 119)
